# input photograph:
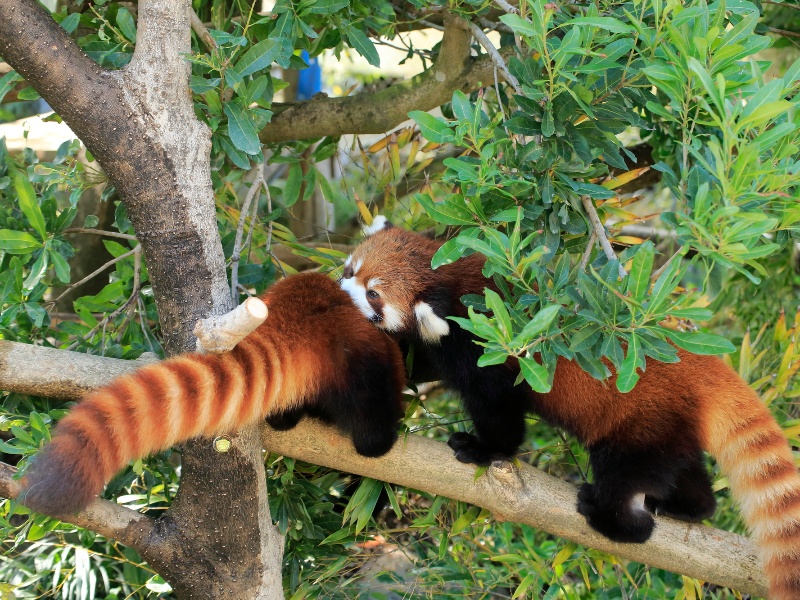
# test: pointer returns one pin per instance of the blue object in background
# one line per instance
(310, 79)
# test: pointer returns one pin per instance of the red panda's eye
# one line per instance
(372, 294)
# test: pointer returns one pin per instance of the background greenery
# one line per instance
(683, 87)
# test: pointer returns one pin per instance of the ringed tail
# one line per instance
(148, 411)
(752, 451)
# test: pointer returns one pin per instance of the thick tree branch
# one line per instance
(379, 112)
(525, 496)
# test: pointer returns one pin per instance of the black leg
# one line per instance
(614, 504)
(498, 412)
(691, 498)
(370, 409)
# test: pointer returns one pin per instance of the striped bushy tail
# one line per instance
(752, 451)
(142, 413)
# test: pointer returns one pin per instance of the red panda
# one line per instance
(301, 360)
(645, 447)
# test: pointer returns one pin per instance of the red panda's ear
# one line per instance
(379, 223)
(432, 328)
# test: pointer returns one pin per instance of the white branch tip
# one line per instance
(221, 334)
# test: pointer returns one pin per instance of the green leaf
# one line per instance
(519, 25)
(627, 375)
(70, 23)
(510, 558)
(698, 342)
(291, 191)
(241, 130)
(585, 338)
(695, 313)
(766, 112)
(465, 520)
(18, 242)
(540, 322)
(259, 57)
(61, 266)
(535, 374)
(37, 271)
(8, 82)
(23, 436)
(323, 7)
(126, 24)
(28, 94)
(608, 23)
(363, 45)
(157, 584)
(240, 159)
(446, 212)
(639, 277)
(489, 251)
(435, 130)
(448, 253)
(492, 358)
(495, 304)
(28, 204)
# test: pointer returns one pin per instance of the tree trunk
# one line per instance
(217, 541)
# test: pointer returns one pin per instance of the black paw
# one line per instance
(632, 525)
(469, 449)
(374, 444)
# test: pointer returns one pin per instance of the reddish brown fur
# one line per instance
(701, 398)
(299, 357)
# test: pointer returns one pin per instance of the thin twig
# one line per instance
(202, 31)
(249, 238)
(95, 273)
(431, 25)
(497, 59)
(277, 262)
(784, 4)
(137, 268)
(492, 26)
(588, 252)
(507, 7)
(143, 321)
(572, 454)
(660, 270)
(269, 227)
(131, 299)
(600, 231)
(115, 234)
(237, 245)
(783, 32)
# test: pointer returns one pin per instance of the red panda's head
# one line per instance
(389, 277)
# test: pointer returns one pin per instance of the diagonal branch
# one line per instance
(600, 232)
(524, 495)
(381, 111)
(101, 516)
